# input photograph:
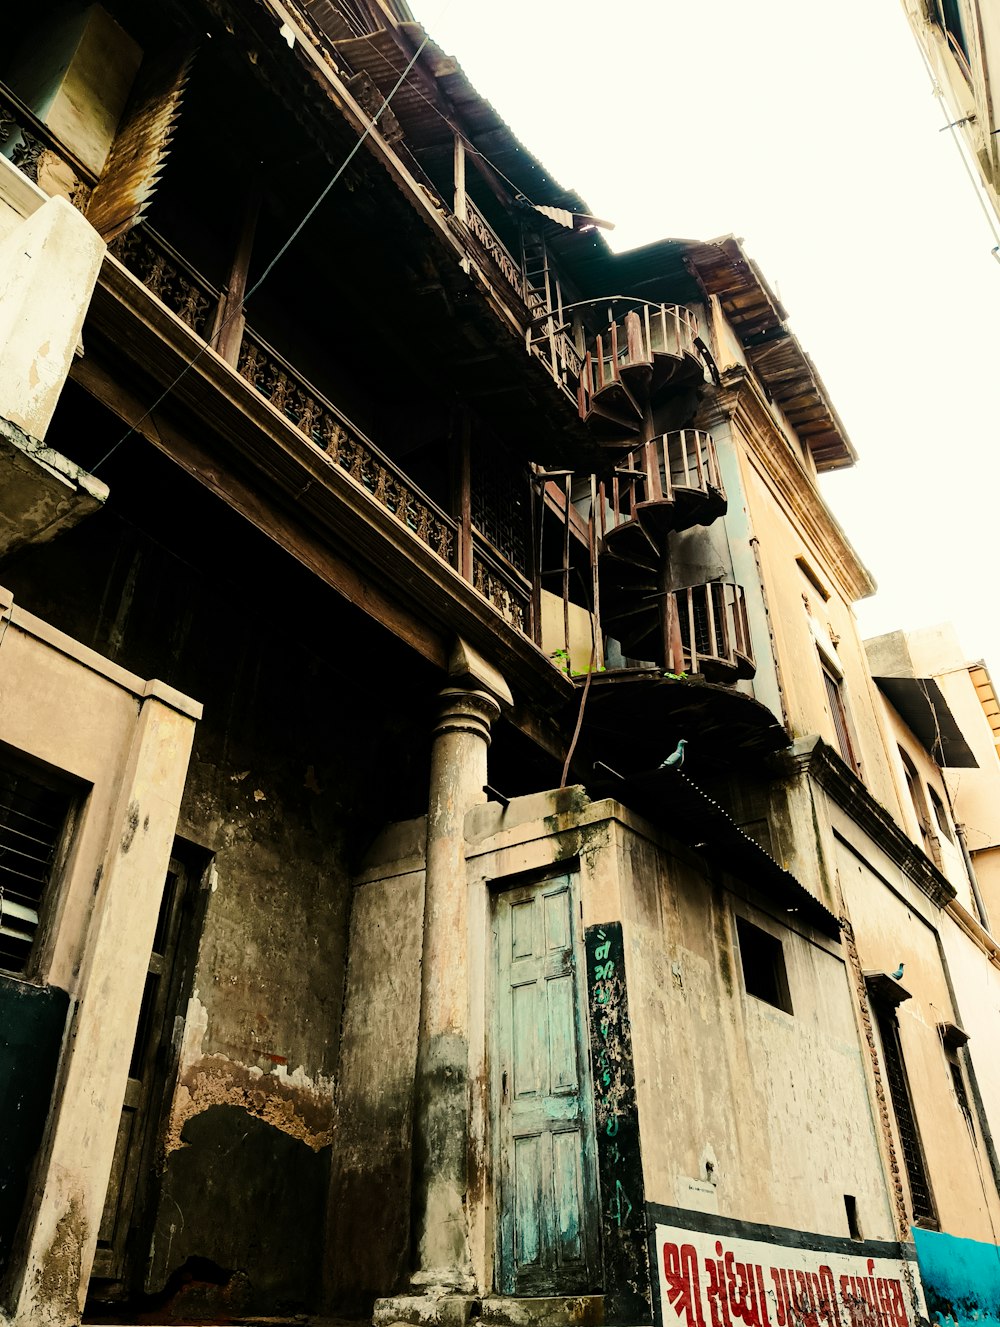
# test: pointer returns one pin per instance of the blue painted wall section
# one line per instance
(961, 1279)
(624, 1234)
(32, 1021)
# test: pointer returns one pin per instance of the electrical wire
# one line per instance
(976, 186)
(455, 129)
(274, 261)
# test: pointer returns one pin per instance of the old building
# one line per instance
(454, 864)
(960, 44)
(941, 719)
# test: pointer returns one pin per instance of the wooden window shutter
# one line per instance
(126, 188)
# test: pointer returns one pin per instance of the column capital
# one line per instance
(468, 668)
(465, 711)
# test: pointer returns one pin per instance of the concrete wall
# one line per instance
(744, 1110)
(79, 79)
(747, 1111)
(805, 624)
(975, 980)
(124, 743)
(921, 821)
(981, 26)
(961, 1279)
(368, 1232)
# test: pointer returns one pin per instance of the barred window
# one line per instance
(32, 817)
(902, 1105)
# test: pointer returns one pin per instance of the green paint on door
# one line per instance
(542, 1099)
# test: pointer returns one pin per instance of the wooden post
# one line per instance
(461, 211)
(595, 616)
(465, 545)
(232, 320)
(565, 567)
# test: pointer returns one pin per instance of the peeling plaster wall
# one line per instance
(368, 1240)
(123, 743)
(732, 1090)
(297, 759)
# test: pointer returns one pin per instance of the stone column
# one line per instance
(441, 1123)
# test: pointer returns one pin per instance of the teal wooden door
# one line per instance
(543, 1104)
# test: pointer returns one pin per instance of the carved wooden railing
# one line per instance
(186, 293)
(170, 278)
(684, 460)
(709, 631)
(503, 260)
(507, 590)
(323, 424)
(25, 140)
(550, 344)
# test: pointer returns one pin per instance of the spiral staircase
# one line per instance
(666, 483)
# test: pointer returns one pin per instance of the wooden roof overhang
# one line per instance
(455, 303)
(787, 372)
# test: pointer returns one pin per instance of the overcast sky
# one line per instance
(812, 132)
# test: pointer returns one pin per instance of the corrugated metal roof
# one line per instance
(922, 704)
(438, 100)
(669, 799)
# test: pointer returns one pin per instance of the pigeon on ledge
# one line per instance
(898, 973)
(676, 758)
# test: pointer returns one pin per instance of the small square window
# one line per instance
(763, 961)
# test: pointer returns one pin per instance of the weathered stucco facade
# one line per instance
(507, 902)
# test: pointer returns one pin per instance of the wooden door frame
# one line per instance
(196, 863)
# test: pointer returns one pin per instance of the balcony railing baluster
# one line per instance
(187, 294)
(710, 622)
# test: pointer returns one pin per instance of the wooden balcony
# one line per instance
(546, 335)
(669, 483)
(632, 364)
(201, 306)
(708, 632)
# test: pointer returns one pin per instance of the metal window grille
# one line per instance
(500, 503)
(909, 1137)
(31, 823)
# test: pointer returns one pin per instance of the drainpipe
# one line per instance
(963, 843)
(970, 870)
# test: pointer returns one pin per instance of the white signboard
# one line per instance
(712, 1280)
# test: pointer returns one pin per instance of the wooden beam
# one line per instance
(265, 515)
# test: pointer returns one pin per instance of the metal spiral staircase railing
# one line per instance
(631, 366)
(665, 484)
